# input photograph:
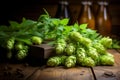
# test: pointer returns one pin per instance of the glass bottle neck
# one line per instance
(103, 11)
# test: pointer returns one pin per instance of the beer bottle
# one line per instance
(103, 19)
(63, 11)
(86, 14)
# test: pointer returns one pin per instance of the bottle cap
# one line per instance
(63, 2)
(103, 3)
(86, 2)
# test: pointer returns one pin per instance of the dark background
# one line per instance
(32, 9)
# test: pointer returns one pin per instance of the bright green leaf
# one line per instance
(83, 26)
(64, 21)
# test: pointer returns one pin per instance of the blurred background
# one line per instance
(32, 9)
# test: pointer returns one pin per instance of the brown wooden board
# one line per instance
(38, 54)
(118, 50)
(61, 73)
(107, 73)
(41, 51)
(16, 71)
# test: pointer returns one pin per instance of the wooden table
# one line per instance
(26, 72)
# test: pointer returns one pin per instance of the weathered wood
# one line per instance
(107, 73)
(16, 71)
(118, 50)
(38, 54)
(41, 51)
(60, 73)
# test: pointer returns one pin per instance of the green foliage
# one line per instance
(115, 44)
(78, 40)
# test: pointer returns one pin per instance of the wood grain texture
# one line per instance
(107, 73)
(60, 73)
(16, 71)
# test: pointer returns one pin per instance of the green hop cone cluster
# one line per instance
(70, 61)
(92, 52)
(86, 41)
(106, 42)
(100, 48)
(19, 46)
(9, 46)
(75, 36)
(54, 61)
(59, 49)
(70, 49)
(22, 52)
(60, 46)
(107, 59)
(10, 43)
(88, 62)
(63, 58)
(82, 51)
(36, 40)
(80, 55)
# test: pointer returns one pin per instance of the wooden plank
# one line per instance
(107, 73)
(118, 50)
(61, 73)
(16, 71)
(41, 51)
